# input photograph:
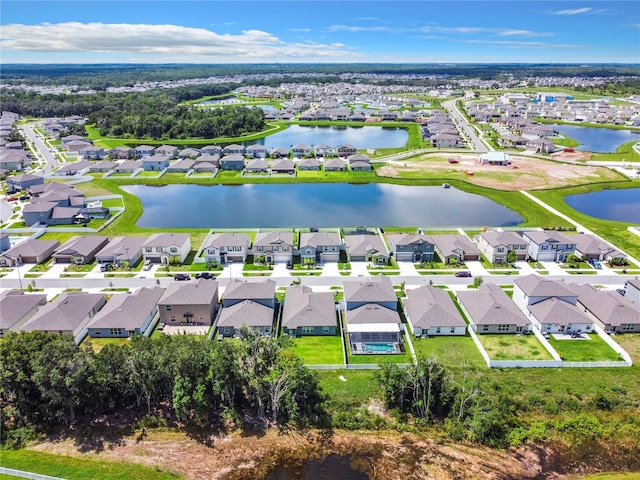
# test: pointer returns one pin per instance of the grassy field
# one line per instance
(76, 468)
(514, 347)
(451, 351)
(99, 343)
(319, 350)
(584, 350)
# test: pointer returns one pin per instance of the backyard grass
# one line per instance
(631, 343)
(592, 350)
(514, 347)
(451, 351)
(356, 388)
(319, 350)
(79, 468)
(99, 343)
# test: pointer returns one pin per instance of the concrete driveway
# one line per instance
(553, 268)
(330, 270)
(407, 268)
(280, 270)
(359, 269)
(476, 268)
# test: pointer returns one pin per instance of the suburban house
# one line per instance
(28, 251)
(551, 305)
(334, 165)
(232, 162)
(431, 311)
(359, 162)
(591, 247)
(233, 149)
(324, 151)
(92, 152)
(412, 247)
(129, 166)
(49, 213)
(183, 165)
(541, 145)
(144, 151)
(104, 166)
(549, 245)
(306, 312)
(189, 303)
(155, 162)
(23, 181)
(366, 247)
(275, 247)
(60, 193)
(345, 150)
(372, 318)
(301, 150)
(446, 140)
(247, 304)
(320, 247)
(610, 310)
(256, 151)
(121, 153)
(497, 245)
(226, 247)
(166, 248)
(125, 315)
(283, 166)
(211, 150)
(17, 308)
(490, 310)
(279, 152)
(80, 250)
(68, 314)
(167, 150)
(257, 165)
(189, 153)
(453, 248)
(632, 291)
(309, 164)
(206, 163)
(122, 249)
(495, 158)
(5, 242)
(74, 168)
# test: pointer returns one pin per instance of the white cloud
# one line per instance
(521, 44)
(158, 40)
(356, 28)
(523, 33)
(574, 11)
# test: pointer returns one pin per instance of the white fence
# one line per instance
(22, 474)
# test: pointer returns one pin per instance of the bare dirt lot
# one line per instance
(524, 173)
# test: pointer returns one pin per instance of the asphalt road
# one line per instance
(461, 122)
(50, 158)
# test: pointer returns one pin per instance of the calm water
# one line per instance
(315, 205)
(597, 139)
(620, 205)
(331, 468)
(360, 137)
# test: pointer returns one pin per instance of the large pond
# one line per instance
(315, 205)
(360, 137)
(621, 205)
(597, 139)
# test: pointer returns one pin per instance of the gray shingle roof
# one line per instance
(372, 313)
(266, 239)
(491, 306)
(449, 244)
(247, 313)
(200, 292)
(535, 286)
(503, 238)
(118, 246)
(31, 248)
(82, 245)
(429, 307)
(556, 311)
(376, 289)
(358, 245)
(14, 305)
(608, 306)
(304, 308)
(238, 289)
(409, 239)
(220, 240)
(127, 311)
(167, 239)
(66, 313)
(318, 239)
(548, 236)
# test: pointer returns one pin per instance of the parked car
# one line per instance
(206, 275)
(463, 274)
(105, 267)
(181, 276)
(147, 265)
(596, 264)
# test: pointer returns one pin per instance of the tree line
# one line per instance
(46, 380)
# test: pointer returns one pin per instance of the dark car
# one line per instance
(463, 274)
(205, 275)
(181, 276)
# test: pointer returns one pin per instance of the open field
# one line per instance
(451, 351)
(514, 347)
(319, 350)
(525, 173)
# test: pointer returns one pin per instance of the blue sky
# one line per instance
(205, 31)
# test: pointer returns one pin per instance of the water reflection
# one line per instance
(315, 205)
(621, 205)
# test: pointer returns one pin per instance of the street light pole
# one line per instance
(128, 259)
(18, 268)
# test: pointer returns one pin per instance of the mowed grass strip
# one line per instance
(592, 350)
(319, 350)
(77, 468)
(514, 347)
(451, 351)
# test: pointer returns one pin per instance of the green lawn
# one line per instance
(319, 350)
(514, 347)
(349, 386)
(79, 468)
(584, 350)
(99, 343)
(451, 351)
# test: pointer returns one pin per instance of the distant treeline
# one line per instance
(154, 114)
(101, 76)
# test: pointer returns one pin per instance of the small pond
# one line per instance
(360, 137)
(315, 205)
(620, 205)
(594, 139)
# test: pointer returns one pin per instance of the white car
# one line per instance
(147, 265)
